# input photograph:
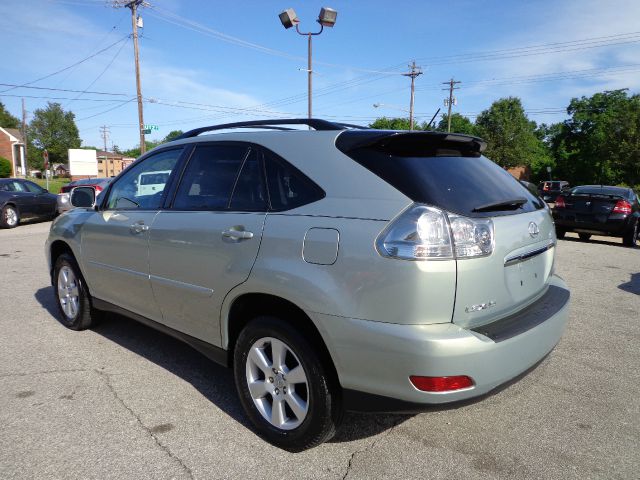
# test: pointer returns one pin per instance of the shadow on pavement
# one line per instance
(633, 285)
(591, 240)
(213, 381)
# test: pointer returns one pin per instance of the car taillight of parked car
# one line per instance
(98, 189)
(560, 202)
(622, 207)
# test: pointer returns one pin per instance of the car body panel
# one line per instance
(193, 266)
(115, 259)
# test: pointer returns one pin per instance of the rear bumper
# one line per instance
(374, 360)
(615, 225)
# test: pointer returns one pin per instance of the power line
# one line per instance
(61, 89)
(70, 66)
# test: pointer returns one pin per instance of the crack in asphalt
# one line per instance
(370, 447)
(43, 372)
(166, 449)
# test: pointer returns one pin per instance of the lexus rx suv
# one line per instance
(335, 268)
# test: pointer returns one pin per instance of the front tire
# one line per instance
(284, 386)
(631, 239)
(560, 233)
(71, 294)
(584, 236)
(9, 217)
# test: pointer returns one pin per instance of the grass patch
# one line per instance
(55, 184)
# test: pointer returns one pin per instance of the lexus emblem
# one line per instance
(533, 229)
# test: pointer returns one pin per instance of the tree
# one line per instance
(510, 135)
(600, 143)
(6, 119)
(135, 152)
(385, 123)
(459, 124)
(52, 129)
(5, 168)
(172, 136)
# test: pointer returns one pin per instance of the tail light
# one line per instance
(441, 384)
(98, 189)
(622, 207)
(560, 202)
(422, 232)
(545, 187)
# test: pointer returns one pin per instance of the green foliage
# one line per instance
(172, 136)
(600, 143)
(459, 124)
(135, 152)
(385, 123)
(6, 119)
(5, 168)
(510, 135)
(52, 129)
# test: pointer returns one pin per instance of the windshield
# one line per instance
(471, 186)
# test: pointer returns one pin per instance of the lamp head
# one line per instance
(327, 17)
(289, 18)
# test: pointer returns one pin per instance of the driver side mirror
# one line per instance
(83, 197)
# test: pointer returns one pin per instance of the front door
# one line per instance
(115, 240)
(207, 242)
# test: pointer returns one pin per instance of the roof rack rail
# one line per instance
(315, 123)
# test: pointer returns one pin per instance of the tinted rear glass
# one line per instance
(458, 184)
(597, 190)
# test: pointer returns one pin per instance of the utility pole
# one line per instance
(23, 163)
(104, 133)
(451, 100)
(415, 72)
(133, 6)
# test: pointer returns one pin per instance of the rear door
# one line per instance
(206, 243)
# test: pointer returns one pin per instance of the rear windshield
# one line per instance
(597, 190)
(458, 184)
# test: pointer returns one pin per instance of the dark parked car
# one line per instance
(550, 189)
(21, 199)
(599, 210)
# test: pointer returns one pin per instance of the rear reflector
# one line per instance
(560, 202)
(441, 384)
(622, 207)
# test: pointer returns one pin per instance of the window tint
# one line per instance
(32, 187)
(14, 186)
(209, 178)
(454, 183)
(131, 191)
(288, 187)
(249, 195)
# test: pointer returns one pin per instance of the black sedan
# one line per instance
(21, 199)
(599, 210)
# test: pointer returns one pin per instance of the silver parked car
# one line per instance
(333, 269)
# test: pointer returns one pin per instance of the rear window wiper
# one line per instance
(511, 204)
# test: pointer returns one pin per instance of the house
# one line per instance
(60, 170)
(521, 172)
(12, 148)
(111, 164)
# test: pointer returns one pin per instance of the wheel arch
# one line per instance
(248, 306)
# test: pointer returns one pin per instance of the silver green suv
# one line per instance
(333, 269)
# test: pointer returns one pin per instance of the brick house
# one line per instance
(111, 164)
(13, 149)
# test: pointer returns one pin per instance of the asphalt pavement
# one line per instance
(124, 402)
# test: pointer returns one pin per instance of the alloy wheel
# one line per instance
(68, 292)
(277, 383)
(10, 216)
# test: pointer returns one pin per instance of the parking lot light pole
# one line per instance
(326, 18)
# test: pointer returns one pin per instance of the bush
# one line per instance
(5, 168)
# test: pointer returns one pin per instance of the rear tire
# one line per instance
(294, 403)
(9, 217)
(74, 302)
(630, 239)
(584, 236)
(560, 233)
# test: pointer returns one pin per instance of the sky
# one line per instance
(209, 62)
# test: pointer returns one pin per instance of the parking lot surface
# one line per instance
(122, 401)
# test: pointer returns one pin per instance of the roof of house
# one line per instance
(103, 154)
(14, 132)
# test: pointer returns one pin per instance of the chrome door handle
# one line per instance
(236, 234)
(138, 228)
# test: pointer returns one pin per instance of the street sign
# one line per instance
(151, 127)
(146, 131)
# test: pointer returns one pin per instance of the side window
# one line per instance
(208, 180)
(143, 184)
(288, 187)
(249, 194)
(32, 187)
(17, 187)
